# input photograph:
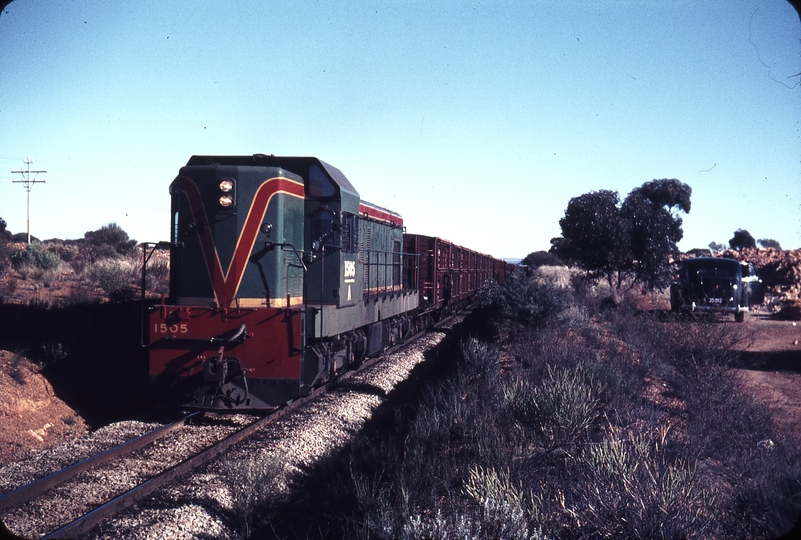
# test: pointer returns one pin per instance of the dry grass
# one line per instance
(58, 274)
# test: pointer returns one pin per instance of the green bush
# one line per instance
(639, 491)
(560, 408)
(5, 257)
(113, 237)
(527, 298)
(37, 256)
(506, 509)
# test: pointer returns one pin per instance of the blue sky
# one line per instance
(477, 121)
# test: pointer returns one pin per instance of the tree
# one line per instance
(654, 226)
(5, 234)
(592, 230)
(5, 248)
(541, 258)
(742, 239)
(635, 239)
(699, 252)
(769, 243)
(716, 248)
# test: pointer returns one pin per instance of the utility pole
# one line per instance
(28, 182)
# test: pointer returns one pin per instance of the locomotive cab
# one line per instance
(331, 244)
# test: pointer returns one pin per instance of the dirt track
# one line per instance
(772, 372)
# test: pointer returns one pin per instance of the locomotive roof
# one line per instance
(297, 165)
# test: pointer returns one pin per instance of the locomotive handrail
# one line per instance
(302, 264)
(145, 258)
(388, 283)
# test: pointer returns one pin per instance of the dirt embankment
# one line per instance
(31, 415)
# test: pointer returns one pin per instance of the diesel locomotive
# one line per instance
(281, 277)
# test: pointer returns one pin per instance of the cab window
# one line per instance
(320, 186)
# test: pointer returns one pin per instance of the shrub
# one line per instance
(80, 295)
(505, 507)
(53, 352)
(5, 235)
(480, 359)
(35, 255)
(526, 298)
(252, 481)
(111, 236)
(541, 258)
(637, 491)
(681, 351)
(567, 403)
(117, 278)
(158, 276)
(22, 238)
(108, 242)
(19, 369)
(5, 257)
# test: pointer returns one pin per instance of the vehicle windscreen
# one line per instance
(714, 272)
(720, 269)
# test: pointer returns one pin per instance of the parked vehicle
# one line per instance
(719, 285)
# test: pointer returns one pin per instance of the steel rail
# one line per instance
(37, 487)
(136, 494)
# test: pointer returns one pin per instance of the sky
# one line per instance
(476, 121)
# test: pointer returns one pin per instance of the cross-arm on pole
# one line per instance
(28, 182)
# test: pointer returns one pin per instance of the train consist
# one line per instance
(281, 276)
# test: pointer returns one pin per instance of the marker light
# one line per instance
(226, 201)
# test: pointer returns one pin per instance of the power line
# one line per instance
(28, 182)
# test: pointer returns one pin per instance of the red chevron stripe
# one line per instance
(227, 284)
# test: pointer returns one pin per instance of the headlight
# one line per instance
(227, 194)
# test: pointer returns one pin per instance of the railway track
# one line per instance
(30, 491)
(85, 522)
